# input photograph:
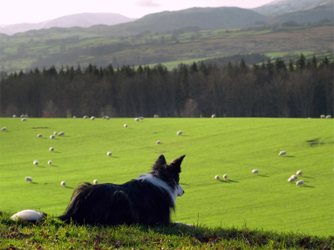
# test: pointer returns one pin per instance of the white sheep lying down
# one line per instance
(28, 215)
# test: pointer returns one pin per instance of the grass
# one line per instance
(53, 234)
(212, 146)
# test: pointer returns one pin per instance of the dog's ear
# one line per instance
(176, 164)
(161, 160)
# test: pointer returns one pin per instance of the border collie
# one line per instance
(147, 200)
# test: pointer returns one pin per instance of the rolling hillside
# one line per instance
(77, 20)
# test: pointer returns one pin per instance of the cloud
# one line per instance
(147, 4)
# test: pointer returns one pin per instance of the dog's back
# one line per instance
(135, 202)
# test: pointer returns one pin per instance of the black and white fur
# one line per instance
(147, 200)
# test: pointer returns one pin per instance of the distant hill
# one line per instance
(77, 20)
(278, 7)
(203, 18)
(316, 14)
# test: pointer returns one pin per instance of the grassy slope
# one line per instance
(213, 146)
(191, 45)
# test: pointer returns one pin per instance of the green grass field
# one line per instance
(232, 146)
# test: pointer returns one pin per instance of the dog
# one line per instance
(147, 200)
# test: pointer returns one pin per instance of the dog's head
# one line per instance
(170, 173)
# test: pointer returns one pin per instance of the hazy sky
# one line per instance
(33, 11)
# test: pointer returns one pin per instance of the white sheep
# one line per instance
(61, 133)
(35, 162)
(109, 153)
(39, 135)
(179, 133)
(49, 162)
(255, 171)
(125, 125)
(85, 116)
(24, 119)
(217, 177)
(299, 173)
(28, 215)
(282, 152)
(55, 133)
(322, 116)
(74, 117)
(14, 116)
(51, 149)
(328, 116)
(52, 136)
(28, 178)
(225, 176)
(300, 183)
(156, 116)
(291, 179)
(137, 119)
(158, 142)
(213, 116)
(294, 177)
(95, 182)
(63, 183)
(92, 118)
(3, 129)
(141, 117)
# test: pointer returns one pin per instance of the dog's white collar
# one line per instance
(178, 191)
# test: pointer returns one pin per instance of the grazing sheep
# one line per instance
(213, 116)
(3, 129)
(24, 119)
(92, 118)
(61, 133)
(299, 173)
(51, 149)
(85, 116)
(137, 119)
(225, 176)
(156, 116)
(63, 183)
(217, 177)
(322, 116)
(125, 125)
(328, 116)
(294, 177)
(255, 171)
(14, 116)
(35, 162)
(39, 135)
(55, 133)
(141, 117)
(23, 116)
(95, 182)
(28, 178)
(49, 162)
(300, 183)
(179, 133)
(52, 136)
(74, 117)
(109, 153)
(158, 142)
(282, 153)
(291, 179)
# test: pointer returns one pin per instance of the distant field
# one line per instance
(232, 146)
(62, 47)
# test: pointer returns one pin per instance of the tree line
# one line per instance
(304, 88)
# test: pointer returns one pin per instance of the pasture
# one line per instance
(232, 146)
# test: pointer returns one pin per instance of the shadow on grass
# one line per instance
(228, 181)
(308, 186)
(69, 187)
(308, 177)
(290, 156)
(53, 165)
(263, 175)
